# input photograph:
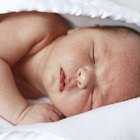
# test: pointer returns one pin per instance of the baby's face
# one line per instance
(88, 69)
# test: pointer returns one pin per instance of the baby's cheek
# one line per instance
(76, 107)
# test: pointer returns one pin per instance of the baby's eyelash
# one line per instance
(93, 58)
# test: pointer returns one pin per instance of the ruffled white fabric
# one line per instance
(86, 8)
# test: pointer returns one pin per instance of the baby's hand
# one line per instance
(39, 113)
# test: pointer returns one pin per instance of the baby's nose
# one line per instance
(83, 78)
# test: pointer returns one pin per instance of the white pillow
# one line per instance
(120, 121)
(85, 10)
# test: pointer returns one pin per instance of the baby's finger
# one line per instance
(54, 117)
(57, 111)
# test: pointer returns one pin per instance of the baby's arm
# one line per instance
(12, 104)
(15, 109)
(22, 34)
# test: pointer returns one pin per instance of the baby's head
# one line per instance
(92, 67)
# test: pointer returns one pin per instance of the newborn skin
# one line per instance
(78, 70)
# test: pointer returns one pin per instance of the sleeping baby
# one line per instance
(79, 70)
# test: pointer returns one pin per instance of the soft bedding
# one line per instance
(118, 121)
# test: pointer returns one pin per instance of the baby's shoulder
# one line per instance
(33, 25)
(32, 30)
(30, 23)
(40, 28)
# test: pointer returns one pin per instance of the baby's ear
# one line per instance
(72, 30)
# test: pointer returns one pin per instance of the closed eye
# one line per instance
(92, 55)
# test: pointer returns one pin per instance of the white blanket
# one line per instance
(119, 121)
(88, 12)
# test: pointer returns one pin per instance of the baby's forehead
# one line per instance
(118, 31)
(123, 36)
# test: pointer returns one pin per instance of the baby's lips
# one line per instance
(62, 80)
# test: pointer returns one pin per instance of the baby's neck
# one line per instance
(36, 69)
(29, 73)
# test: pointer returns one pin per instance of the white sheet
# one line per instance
(119, 121)
(114, 122)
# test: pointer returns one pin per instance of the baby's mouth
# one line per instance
(62, 80)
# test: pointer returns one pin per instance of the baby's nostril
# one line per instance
(79, 83)
(79, 73)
